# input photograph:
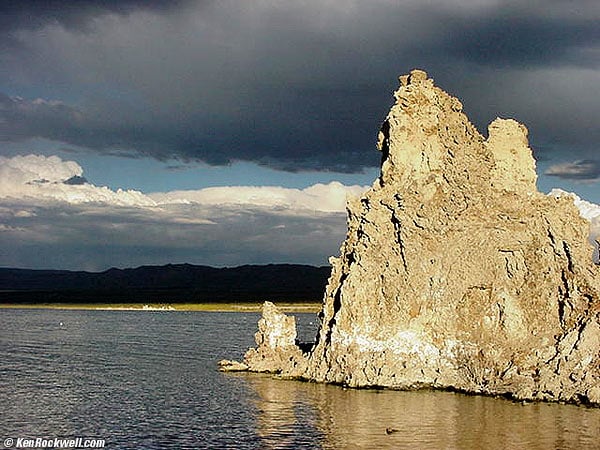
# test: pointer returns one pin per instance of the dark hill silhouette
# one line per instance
(173, 283)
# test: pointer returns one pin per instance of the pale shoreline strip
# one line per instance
(304, 307)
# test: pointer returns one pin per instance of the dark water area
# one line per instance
(149, 380)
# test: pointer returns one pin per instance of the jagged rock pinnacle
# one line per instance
(426, 133)
(455, 272)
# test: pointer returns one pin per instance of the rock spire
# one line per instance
(456, 273)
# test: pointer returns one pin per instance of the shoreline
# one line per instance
(301, 307)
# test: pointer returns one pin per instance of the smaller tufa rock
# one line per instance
(275, 329)
(276, 350)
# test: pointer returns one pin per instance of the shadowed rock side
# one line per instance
(455, 272)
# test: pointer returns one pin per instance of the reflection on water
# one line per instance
(287, 417)
(295, 414)
(149, 380)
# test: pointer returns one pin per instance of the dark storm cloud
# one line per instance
(292, 85)
(514, 39)
(118, 134)
(584, 170)
(16, 14)
(22, 119)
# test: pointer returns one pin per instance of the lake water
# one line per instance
(149, 380)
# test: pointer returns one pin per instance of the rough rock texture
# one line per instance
(277, 349)
(455, 272)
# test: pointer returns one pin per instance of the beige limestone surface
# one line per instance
(455, 273)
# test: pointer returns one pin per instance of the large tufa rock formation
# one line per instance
(456, 272)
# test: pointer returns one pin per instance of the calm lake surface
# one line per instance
(149, 380)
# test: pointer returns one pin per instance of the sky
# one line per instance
(226, 132)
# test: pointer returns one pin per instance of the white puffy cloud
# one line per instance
(46, 178)
(319, 197)
(31, 168)
(47, 223)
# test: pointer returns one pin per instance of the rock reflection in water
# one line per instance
(286, 413)
(293, 414)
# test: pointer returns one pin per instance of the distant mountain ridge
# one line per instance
(175, 283)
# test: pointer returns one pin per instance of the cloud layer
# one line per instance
(47, 222)
(291, 85)
(584, 170)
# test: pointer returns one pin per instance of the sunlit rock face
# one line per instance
(276, 349)
(456, 272)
